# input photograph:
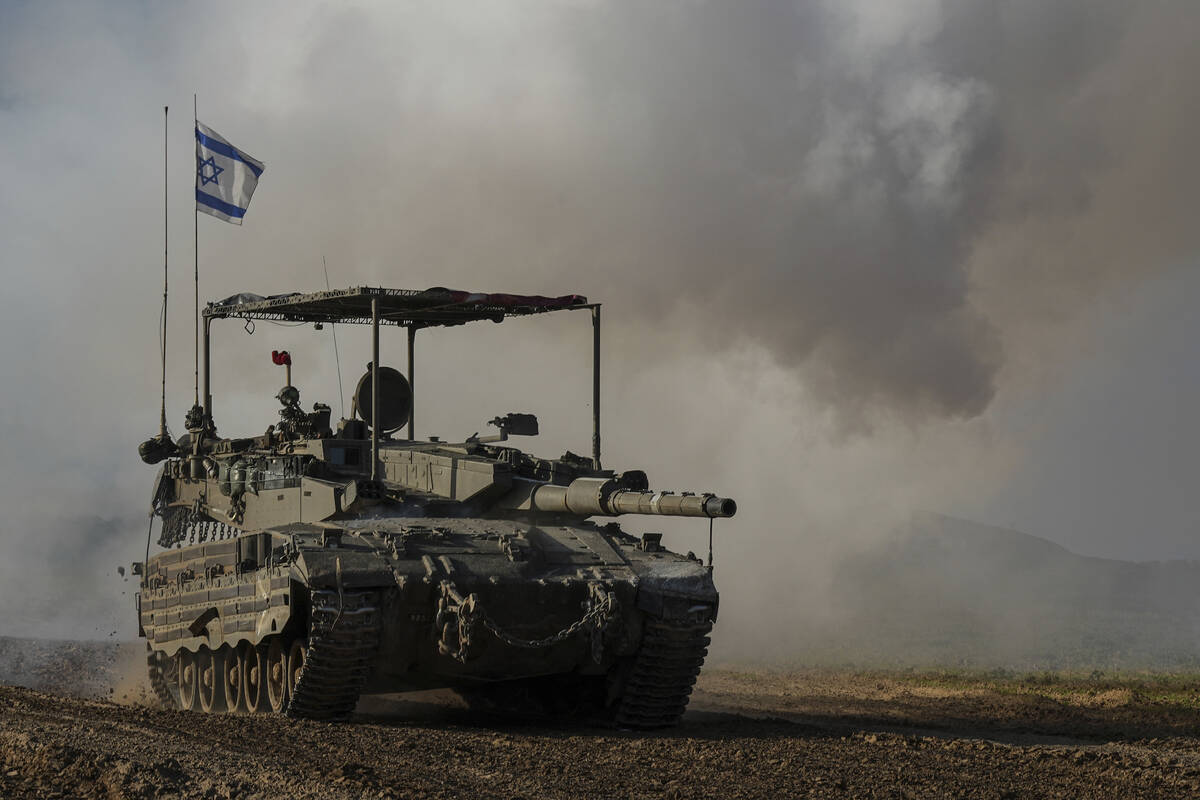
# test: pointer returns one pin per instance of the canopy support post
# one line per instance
(207, 389)
(412, 335)
(374, 387)
(596, 386)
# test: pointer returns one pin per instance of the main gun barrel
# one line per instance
(669, 504)
(604, 496)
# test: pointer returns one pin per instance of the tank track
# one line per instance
(158, 682)
(343, 638)
(658, 686)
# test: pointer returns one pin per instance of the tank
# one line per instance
(304, 567)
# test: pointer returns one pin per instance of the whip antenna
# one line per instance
(159, 447)
(336, 359)
(162, 344)
(710, 526)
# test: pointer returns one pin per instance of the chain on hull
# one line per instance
(660, 682)
(342, 641)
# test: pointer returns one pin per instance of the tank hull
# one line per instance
(397, 603)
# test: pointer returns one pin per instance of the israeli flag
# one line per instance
(225, 176)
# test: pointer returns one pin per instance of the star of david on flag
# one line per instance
(225, 176)
(208, 166)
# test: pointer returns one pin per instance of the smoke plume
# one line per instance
(844, 247)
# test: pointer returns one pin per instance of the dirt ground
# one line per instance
(748, 734)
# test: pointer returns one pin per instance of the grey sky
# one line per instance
(859, 258)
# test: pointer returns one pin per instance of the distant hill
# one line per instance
(952, 592)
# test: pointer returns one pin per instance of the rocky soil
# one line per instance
(748, 734)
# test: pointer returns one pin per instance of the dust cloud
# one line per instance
(846, 250)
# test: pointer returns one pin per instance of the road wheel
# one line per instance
(297, 655)
(277, 675)
(254, 673)
(187, 680)
(212, 695)
(231, 677)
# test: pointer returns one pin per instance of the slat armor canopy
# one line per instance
(405, 307)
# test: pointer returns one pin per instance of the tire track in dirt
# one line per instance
(53, 746)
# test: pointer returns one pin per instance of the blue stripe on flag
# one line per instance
(219, 205)
(226, 150)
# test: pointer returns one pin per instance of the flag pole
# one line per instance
(196, 253)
